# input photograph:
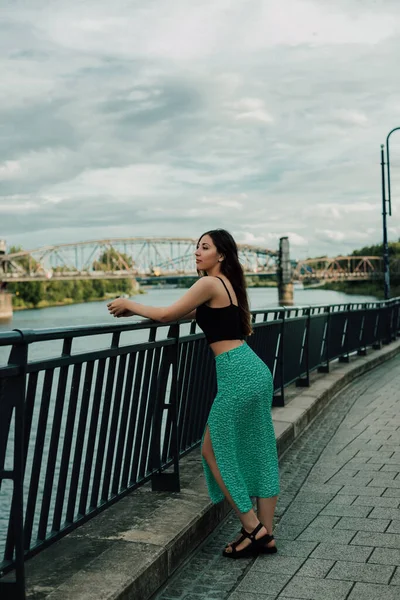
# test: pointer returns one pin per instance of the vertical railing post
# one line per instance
(162, 481)
(362, 348)
(345, 357)
(305, 351)
(325, 368)
(390, 321)
(16, 385)
(377, 344)
(280, 400)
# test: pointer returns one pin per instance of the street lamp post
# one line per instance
(388, 168)
(386, 270)
(389, 200)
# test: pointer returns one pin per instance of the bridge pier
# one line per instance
(6, 310)
(285, 282)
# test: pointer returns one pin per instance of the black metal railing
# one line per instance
(88, 414)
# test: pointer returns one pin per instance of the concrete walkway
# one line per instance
(338, 517)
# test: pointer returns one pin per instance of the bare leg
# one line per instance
(249, 519)
(265, 513)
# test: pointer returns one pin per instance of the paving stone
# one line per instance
(391, 492)
(362, 491)
(385, 556)
(318, 534)
(342, 552)
(344, 478)
(383, 476)
(245, 596)
(360, 524)
(315, 497)
(374, 453)
(389, 447)
(326, 488)
(346, 511)
(379, 481)
(303, 511)
(371, 591)
(369, 573)
(386, 461)
(317, 589)
(376, 502)
(287, 531)
(296, 548)
(258, 582)
(342, 499)
(324, 522)
(382, 540)
(390, 469)
(394, 527)
(396, 578)
(277, 563)
(316, 567)
(385, 513)
(371, 467)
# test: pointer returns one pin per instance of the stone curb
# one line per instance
(130, 550)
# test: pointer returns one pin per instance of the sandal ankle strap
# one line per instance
(252, 534)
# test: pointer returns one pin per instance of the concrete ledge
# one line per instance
(132, 548)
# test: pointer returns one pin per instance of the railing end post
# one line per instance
(166, 482)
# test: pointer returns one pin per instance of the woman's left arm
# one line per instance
(199, 293)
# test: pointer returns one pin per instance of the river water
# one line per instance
(95, 313)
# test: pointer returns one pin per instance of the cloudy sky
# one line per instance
(169, 117)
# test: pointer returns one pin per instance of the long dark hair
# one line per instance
(232, 269)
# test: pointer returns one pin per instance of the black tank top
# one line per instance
(220, 323)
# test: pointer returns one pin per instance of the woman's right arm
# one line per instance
(200, 292)
(191, 315)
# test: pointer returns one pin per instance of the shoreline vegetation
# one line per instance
(83, 293)
(361, 288)
(68, 301)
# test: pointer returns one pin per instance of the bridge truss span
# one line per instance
(136, 257)
(351, 268)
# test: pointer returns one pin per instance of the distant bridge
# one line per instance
(137, 257)
(348, 268)
(149, 259)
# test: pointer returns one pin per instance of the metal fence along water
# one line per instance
(80, 429)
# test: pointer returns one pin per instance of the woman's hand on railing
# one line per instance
(119, 308)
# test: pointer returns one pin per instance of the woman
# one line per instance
(238, 446)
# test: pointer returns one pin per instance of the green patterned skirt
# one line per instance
(241, 429)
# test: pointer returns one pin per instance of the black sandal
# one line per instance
(254, 548)
(263, 548)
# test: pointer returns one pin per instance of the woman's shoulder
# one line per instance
(206, 283)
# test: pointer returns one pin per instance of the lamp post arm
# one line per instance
(388, 169)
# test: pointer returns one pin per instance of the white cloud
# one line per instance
(9, 169)
(352, 117)
(223, 202)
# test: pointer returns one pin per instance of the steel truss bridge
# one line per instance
(349, 268)
(149, 259)
(137, 257)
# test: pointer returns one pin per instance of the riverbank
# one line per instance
(67, 302)
(368, 288)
